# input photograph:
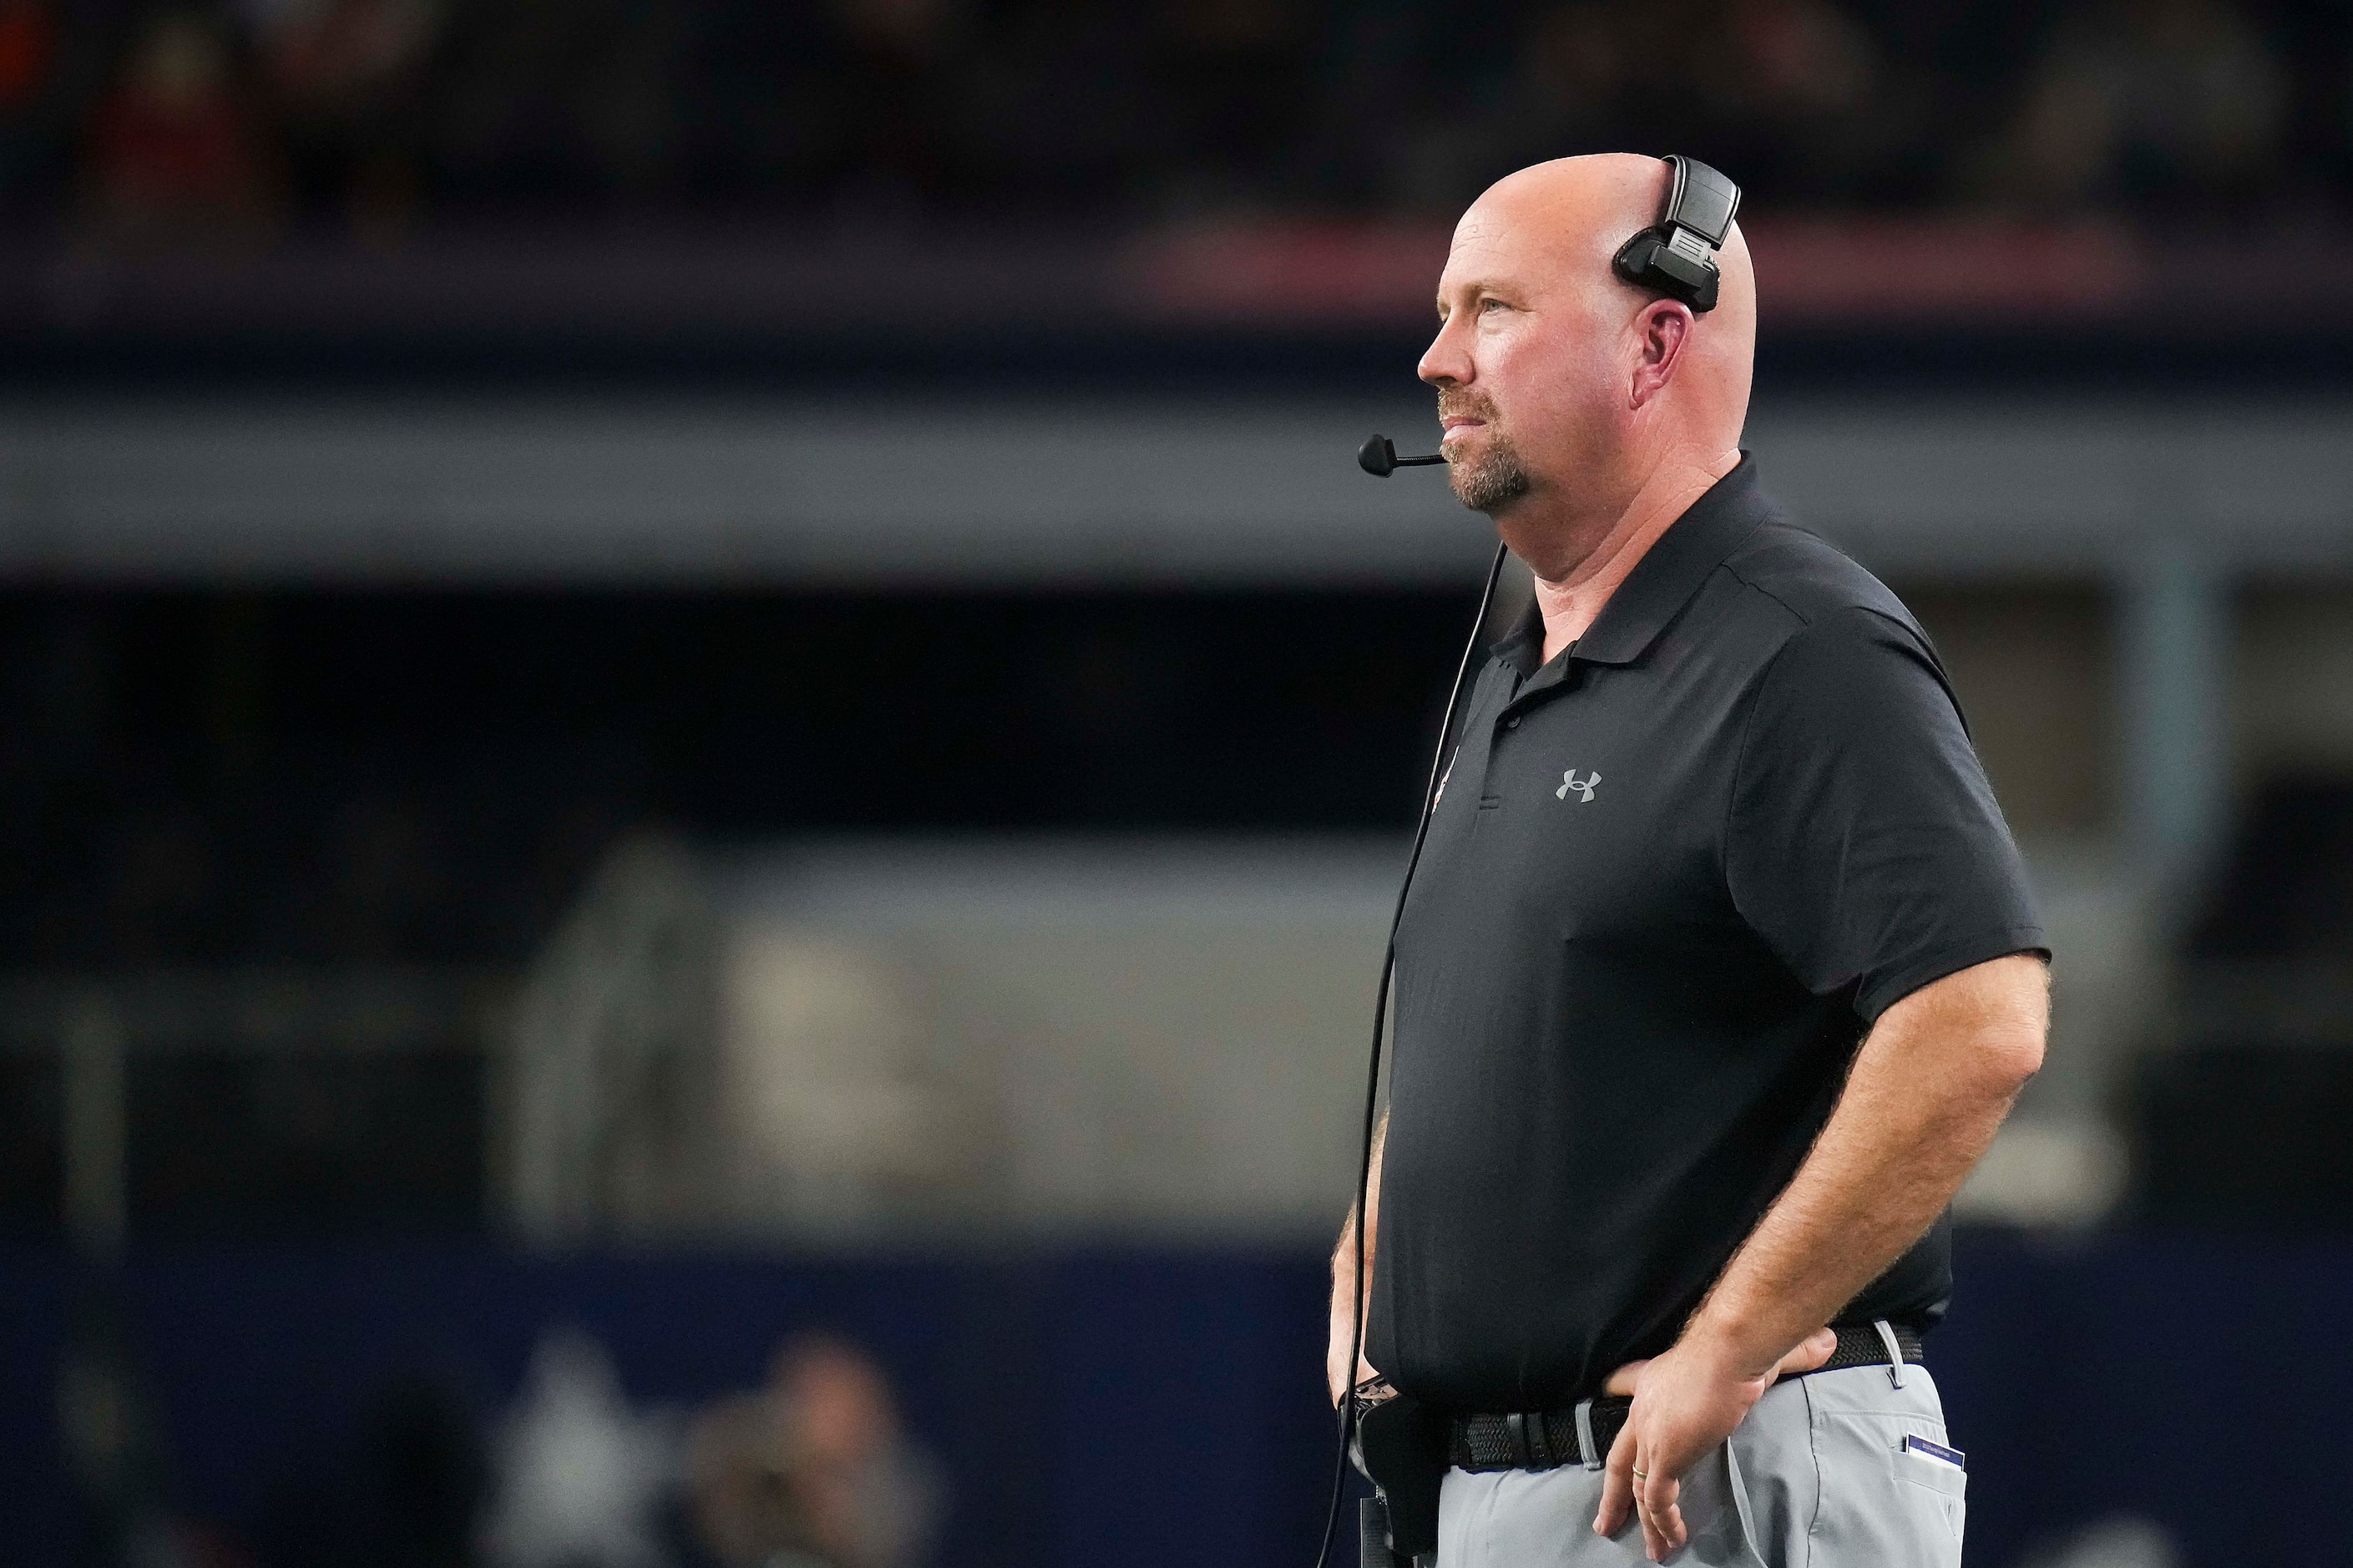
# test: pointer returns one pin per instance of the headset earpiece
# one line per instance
(1676, 255)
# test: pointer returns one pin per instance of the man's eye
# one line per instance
(1487, 306)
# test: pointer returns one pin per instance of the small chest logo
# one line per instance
(1583, 786)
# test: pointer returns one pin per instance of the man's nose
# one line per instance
(1444, 362)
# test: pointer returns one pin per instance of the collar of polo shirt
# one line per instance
(1662, 582)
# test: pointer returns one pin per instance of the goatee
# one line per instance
(1492, 480)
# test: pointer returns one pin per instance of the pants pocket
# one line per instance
(1884, 1503)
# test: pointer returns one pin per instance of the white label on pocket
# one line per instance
(1919, 1448)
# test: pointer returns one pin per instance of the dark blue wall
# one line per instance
(1148, 1408)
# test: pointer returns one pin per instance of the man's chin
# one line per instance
(1492, 487)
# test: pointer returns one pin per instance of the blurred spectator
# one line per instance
(1800, 94)
(2169, 103)
(1233, 69)
(1578, 65)
(175, 153)
(557, 99)
(1065, 111)
(901, 85)
(1573, 80)
(812, 1471)
(1793, 59)
(349, 80)
(30, 50)
(581, 1476)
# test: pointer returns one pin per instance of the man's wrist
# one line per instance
(1729, 1340)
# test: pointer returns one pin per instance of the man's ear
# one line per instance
(1660, 331)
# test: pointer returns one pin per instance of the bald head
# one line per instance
(1564, 388)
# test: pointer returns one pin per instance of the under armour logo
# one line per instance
(1584, 786)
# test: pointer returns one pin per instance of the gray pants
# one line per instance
(1818, 1476)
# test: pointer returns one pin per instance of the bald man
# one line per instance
(1718, 974)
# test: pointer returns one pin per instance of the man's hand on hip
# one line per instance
(1685, 1403)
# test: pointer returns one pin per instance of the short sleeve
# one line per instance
(1864, 843)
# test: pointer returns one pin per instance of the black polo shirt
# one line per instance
(1671, 877)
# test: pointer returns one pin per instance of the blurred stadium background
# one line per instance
(705, 734)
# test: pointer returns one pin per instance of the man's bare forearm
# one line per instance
(1344, 1257)
(1344, 1329)
(1928, 1088)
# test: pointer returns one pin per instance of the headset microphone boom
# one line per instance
(1378, 456)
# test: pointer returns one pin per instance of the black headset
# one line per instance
(1676, 257)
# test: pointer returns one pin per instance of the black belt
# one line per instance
(1582, 1434)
